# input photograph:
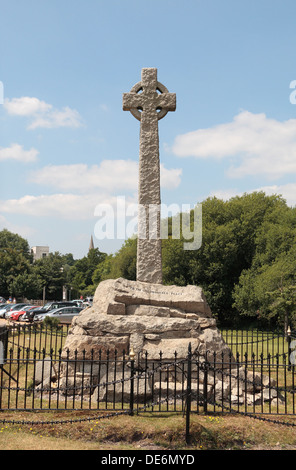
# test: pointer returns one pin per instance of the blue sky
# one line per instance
(66, 144)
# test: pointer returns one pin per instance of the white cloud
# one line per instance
(43, 115)
(17, 152)
(224, 194)
(170, 178)
(68, 206)
(65, 206)
(93, 186)
(255, 144)
(287, 191)
(26, 106)
(66, 117)
(110, 175)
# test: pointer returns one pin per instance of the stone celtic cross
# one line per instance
(149, 101)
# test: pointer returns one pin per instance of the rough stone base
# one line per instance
(148, 318)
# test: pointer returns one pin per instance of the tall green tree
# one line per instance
(81, 273)
(27, 285)
(15, 259)
(229, 242)
(103, 270)
(125, 261)
(51, 271)
(265, 291)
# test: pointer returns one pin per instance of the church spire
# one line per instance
(91, 245)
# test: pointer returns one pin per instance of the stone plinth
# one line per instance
(148, 318)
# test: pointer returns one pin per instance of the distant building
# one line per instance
(39, 252)
(91, 245)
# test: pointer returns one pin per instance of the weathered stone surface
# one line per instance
(105, 302)
(152, 310)
(210, 343)
(189, 299)
(80, 344)
(148, 317)
(121, 390)
(45, 369)
(154, 101)
(168, 347)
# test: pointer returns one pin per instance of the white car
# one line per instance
(64, 314)
(3, 309)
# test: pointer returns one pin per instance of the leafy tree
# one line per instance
(265, 291)
(68, 259)
(51, 270)
(175, 262)
(228, 245)
(283, 305)
(230, 239)
(15, 260)
(124, 261)
(29, 285)
(81, 273)
(9, 240)
(103, 270)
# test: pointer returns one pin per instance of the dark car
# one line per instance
(29, 316)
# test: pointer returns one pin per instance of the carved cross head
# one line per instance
(149, 97)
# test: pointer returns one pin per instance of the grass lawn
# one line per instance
(145, 432)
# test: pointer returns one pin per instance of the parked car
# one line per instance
(16, 316)
(13, 308)
(64, 314)
(29, 316)
(2, 300)
(78, 302)
(4, 308)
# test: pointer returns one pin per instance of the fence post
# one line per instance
(289, 340)
(205, 385)
(188, 394)
(132, 359)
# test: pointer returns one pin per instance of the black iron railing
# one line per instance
(39, 374)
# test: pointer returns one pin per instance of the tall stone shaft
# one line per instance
(149, 101)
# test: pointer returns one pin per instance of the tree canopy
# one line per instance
(15, 260)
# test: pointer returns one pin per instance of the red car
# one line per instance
(16, 315)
